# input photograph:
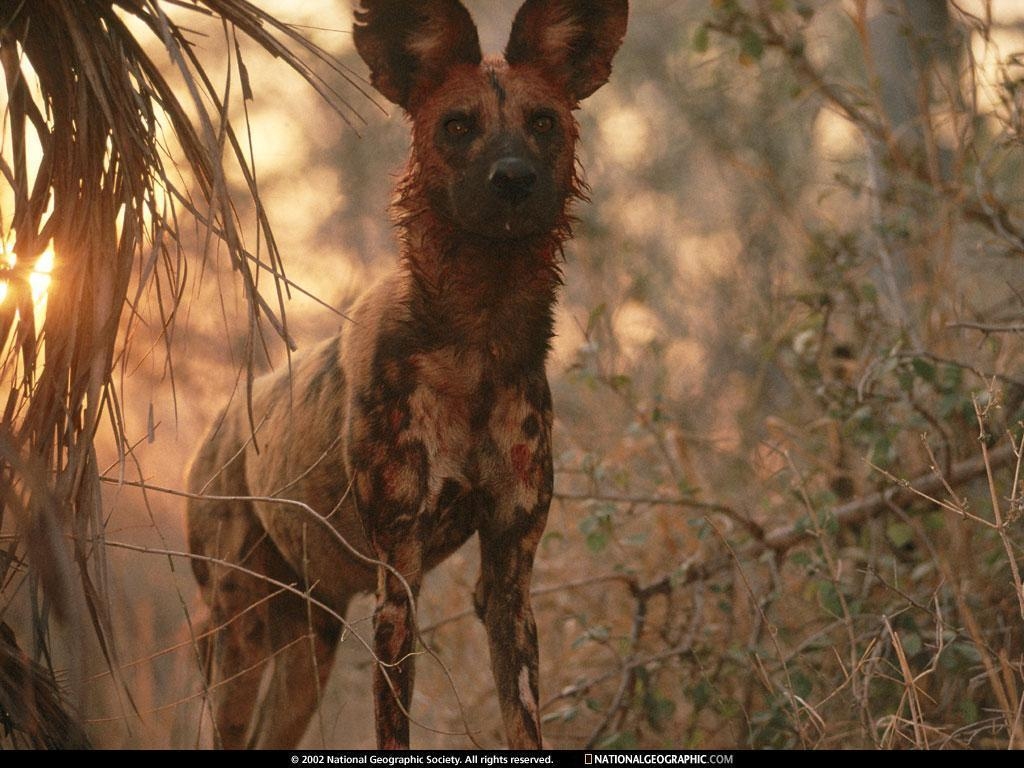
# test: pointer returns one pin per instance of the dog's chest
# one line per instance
(479, 430)
(487, 445)
(445, 441)
(485, 436)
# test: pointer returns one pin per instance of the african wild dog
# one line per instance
(429, 417)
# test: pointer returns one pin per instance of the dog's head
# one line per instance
(494, 138)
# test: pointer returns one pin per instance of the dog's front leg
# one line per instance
(503, 603)
(508, 543)
(521, 424)
(390, 494)
(394, 640)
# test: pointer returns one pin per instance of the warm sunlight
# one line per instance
(39, 278)
(7, 261)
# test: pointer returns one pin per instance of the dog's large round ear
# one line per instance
(571, 40)
(410, 45)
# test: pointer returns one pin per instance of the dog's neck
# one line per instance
(478, 294)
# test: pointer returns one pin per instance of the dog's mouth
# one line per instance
(508, 228)
(496, 217)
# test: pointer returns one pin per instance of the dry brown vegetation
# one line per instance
(788, 379)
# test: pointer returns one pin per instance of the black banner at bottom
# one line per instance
(486, 759)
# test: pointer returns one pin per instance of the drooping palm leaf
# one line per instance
(82, 87)
(32, 713)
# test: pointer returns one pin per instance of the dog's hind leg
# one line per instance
(235, 642)
(230, 550)
(305, 639)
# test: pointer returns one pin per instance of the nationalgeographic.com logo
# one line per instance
(667, 758)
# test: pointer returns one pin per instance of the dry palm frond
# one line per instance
(88, 116)
(32, 710)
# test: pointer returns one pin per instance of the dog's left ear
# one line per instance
(573, 40)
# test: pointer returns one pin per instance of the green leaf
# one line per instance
(829, 598)
(899, 534)
(620, 382)
(951, 379)
(801, 684)
(597, 541)
(968, 652)
(923, 369)
(701, 39)
(949, 405)
(595, 315)
(599, 633)
(969, 710)
(700, 694)
(619, 741)
(658, 710)
(597, 526)
(801, 558)
(751, 44)
(912, 643)
(728, 708)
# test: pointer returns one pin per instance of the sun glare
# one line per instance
(38, 279)
(7, 260)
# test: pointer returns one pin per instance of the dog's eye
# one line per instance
(542, 123)
(458, 126)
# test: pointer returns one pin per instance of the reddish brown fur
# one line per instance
(429, 418)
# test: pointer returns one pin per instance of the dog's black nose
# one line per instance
(512, 178)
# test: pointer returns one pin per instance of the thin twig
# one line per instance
(988, 327)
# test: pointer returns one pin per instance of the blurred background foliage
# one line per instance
(788, 381)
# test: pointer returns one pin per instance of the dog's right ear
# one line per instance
(410, 45)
